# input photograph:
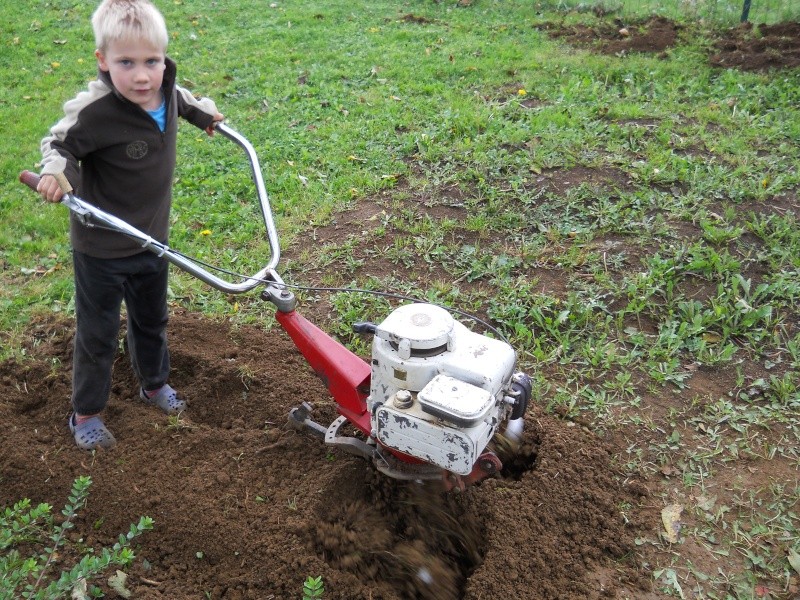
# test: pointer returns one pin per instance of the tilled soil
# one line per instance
(746, 47)
(246, 507)
(757, 49)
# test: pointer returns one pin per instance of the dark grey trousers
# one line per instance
(100, 287)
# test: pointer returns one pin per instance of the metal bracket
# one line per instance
(300, 418)
(284, 300)
(83, 215)
(487, 465)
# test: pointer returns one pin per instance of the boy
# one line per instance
(116, 145)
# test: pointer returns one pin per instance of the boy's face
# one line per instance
(136, 69)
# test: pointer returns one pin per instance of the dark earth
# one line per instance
(746, 47)
(267, 506)
(245, 507)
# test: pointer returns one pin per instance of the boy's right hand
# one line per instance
(49, 189)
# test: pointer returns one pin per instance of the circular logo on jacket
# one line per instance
(137, 149)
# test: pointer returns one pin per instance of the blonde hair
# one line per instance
(116, 20)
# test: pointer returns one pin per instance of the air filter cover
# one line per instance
(420, 326)
(455, 401)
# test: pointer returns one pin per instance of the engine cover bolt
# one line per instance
(403, 399)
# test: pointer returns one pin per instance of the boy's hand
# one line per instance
(49, 189)
(217, 119)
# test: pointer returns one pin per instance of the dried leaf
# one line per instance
(669, 471)
(80, 590)
(670, 517)
(794, 560)
(706, 503)
(117, 583)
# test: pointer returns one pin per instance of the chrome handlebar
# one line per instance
(91, 216)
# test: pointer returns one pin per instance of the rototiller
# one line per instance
(427, 404)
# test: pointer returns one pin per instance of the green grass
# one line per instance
(629, 223)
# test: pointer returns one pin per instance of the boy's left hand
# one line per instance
(217, 119)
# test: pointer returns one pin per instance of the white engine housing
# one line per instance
(438, 390)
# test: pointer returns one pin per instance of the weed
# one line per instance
(30, 527)
(177, 423)
(313, 588)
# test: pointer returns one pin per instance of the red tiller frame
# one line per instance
(346, 375)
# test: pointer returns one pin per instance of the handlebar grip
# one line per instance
(365, 327)
(63, 183)
(30, 179)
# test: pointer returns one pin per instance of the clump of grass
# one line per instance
(177, 424)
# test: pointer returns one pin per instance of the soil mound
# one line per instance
(654, 35)
(746, 47)
(759, 48)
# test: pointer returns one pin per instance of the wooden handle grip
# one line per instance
(31, 179)
(63, 183)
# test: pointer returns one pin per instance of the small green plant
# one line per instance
(313, 588)
(177, 423)
(34, 530)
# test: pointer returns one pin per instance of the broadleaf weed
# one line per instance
(34, 528)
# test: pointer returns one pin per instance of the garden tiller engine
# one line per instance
(430, 400)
